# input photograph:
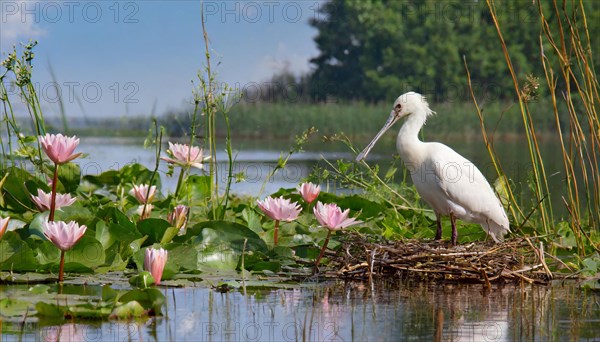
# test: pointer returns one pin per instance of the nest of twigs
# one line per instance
(518, 260)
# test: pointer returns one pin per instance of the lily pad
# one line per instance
(128, 310)
(13, 307)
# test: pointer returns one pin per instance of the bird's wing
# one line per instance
(465, 186)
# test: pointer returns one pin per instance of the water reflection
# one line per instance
(65, 332)
(387, 311)
(355, 311)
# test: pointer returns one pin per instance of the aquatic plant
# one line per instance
(185, 156)
(3, 225)
(144, 193)
(59, 149)
(565, 53)
(309, 191)
(204, 230)
(332, 217)
(154, 262)
(43, 200)
(279, 209)
(64, 236)
(178, 217)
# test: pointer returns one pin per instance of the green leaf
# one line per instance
(220, 243)
(284, 252)
(197, 188)
(591, 265)
(149, 298)
(50, 310)
(114, 215)
(75, 212)
(307, 252)
(389, 175)
(155, 229)
(39, 289)
(357, 204)
(138, 174)
(117, 228)
(183, 255)
(88, 311)
(109, 178)
(46, 252)
(252, 219)
(69, 175)
(169, 234)
(214, 232)
(109, 294)
(27, 278)
(142, 280)
(136, 245)
(16, 255)
(12, 307)
(103, 234)
(88, 252)
(113, 260)
(36, 227)
(128, 310)
(13, 193)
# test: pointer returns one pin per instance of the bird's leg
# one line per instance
(438, 221)
(454, 233)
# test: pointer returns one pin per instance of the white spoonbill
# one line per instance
(451, 184)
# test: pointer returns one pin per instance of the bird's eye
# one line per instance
(398, 107)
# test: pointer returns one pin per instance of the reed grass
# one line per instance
(19, 68)
(361, 120)
(566, 55)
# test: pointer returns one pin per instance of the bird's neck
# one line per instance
(408, 142)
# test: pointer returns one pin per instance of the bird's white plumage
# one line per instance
(451, 184)
(448, 182)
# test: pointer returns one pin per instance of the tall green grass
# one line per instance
(566, 54)
(360, 120)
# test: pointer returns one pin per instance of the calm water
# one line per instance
(254, 161)
(257, 159)
(347, 312)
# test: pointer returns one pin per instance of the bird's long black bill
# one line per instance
(389, 123)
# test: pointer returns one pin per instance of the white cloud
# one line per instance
(16, 25)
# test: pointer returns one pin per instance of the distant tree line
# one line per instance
(374, 50)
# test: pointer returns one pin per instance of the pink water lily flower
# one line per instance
(309, 191)
(59, 148)
(154, 262)
(66, 332)
(44, 200)
(144, 211)
(63, 235)
(332, 217)
(280, 209)
(178, 217)
(144, 193)
(3, 225)
(185, 155)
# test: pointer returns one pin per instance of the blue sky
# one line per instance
(121, 58)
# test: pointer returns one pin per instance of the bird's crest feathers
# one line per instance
(413, 101)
